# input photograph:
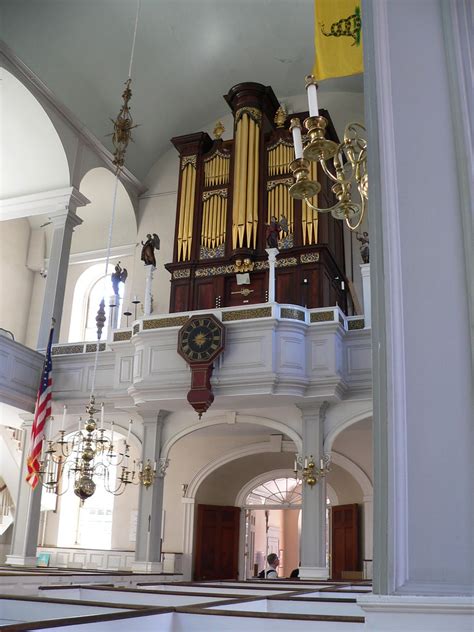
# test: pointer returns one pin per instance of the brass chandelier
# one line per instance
(349, 163)
(90, 453)
(306, 468)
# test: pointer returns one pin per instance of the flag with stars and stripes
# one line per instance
(42, 413)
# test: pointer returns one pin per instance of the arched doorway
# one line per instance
(271, 521)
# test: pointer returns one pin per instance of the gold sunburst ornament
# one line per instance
(123, 126)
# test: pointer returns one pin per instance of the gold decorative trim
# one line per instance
(205, 272)
(183, 273)
(310, 257)
(286, 263)
(91, 347)
(67, 349)
(247, 314)
(121, 336)
(223, 153)
(320, 317)
(207, 194)
(254, 113)
(161, 323)
(188, 160)
(280, 141)
(271, 184)
(136, 329)
(294, 314)
(358, 323)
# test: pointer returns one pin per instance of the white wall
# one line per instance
(16, 280)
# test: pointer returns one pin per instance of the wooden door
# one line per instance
(217, 543)
(345, 539)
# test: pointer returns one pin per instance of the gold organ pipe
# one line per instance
(255, 184)
(242, 215)
(215, 199)
(187, 191)
(236, 200)
(184, 194)
(181, 219)
(191, 209)
(204, 224)
(219, 221)
(250, 182)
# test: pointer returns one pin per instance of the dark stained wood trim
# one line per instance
(271, 615)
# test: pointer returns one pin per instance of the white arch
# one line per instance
(232, 455)
(355, 471)
(267, 476)
(341, 425)
(280, 427)
(32, 155)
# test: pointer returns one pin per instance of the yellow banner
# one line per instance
(337, 38)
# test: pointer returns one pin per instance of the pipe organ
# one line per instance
(228, 193)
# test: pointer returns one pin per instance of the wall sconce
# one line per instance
(306, 468)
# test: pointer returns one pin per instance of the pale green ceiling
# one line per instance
(188, 54)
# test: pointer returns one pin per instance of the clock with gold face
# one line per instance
(201, 339)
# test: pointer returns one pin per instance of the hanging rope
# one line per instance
(121, 137)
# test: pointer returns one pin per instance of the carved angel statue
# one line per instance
(364, 247)
(119, 276)
(151, 244)
(273, 230)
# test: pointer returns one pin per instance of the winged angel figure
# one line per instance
(151, 244)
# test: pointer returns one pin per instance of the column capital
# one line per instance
(315, 411)
(150, 418)
(64, 218)
(42, 203)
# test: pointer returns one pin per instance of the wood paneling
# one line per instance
(217, 542)
(345, 539)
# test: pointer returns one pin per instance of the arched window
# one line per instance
(278, 491)
(91, 287)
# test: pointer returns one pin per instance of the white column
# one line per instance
(365, 272)
(422, 318)
(272, 255)
(150, 501)
(148, 306)
(63, 226)
(313, 518)
(27, 511)
(188, 537)
(368, 520)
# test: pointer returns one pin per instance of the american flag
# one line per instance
(42, 412)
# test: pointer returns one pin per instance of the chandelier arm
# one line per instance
(361, 217)
(321, 210)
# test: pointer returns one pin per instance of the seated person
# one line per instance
(272, 565)
(295, 573)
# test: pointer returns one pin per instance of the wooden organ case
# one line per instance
(227, 193)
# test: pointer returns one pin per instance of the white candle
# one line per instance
(102, 411)
(312, 98)
(135, 298)
(63, 420)
(111, 432)
(296, 466)
(79, 424)
(154, 466)
(129, 431)
(306, 461)
(321, 463)
(50, 428)
(297, 140)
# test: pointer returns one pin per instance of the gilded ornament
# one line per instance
(280, 116)
(219, 129)
(247, 314)
(67, 349)
(271, 184)
(321, 317)
(294, 314)
(188, 160)
(357, 323)
(161, 323)
(183, 273)
(120, 336)
(207, 194)
(91, 347)
(309, 257)
(254, 113)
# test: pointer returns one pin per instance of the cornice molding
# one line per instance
(50, 202)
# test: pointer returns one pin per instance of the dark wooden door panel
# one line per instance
(217, 542)
(345, 539)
